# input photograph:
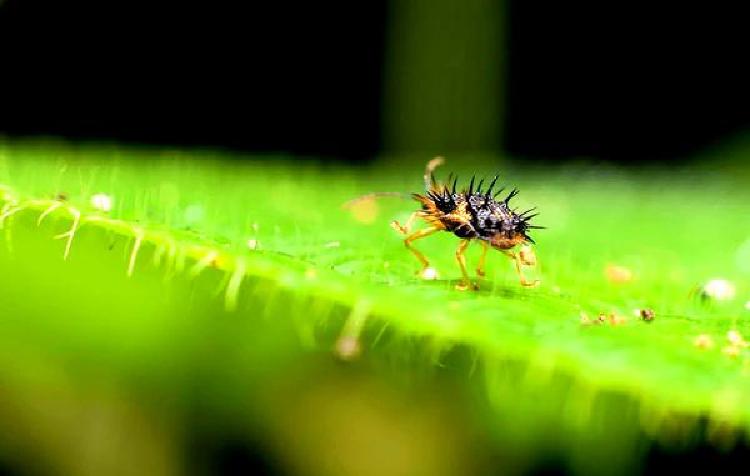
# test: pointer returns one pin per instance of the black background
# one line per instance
(625, 81)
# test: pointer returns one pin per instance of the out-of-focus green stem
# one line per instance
(444, 65)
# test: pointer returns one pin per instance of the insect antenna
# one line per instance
(373, 195)
(429, 178)
(433, 182)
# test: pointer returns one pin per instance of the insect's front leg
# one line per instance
(465, 282)
(426, 272)
(520, 259)
(404, 230)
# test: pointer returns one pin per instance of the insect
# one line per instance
(471, 213)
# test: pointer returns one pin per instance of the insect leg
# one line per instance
(416, 236)
(480, 266)
(518, 262)
(465, 281)
(404, 230)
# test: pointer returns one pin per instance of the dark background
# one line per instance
(625, 81)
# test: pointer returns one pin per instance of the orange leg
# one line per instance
(518, 262)
(404, 230)
(482, 257)
(416, 236)
(465, 282)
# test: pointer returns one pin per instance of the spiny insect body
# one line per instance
(471, 214)
(475, 213)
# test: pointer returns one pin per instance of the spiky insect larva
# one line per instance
(471, 214)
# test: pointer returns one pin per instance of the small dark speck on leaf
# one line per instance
(647, 315)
